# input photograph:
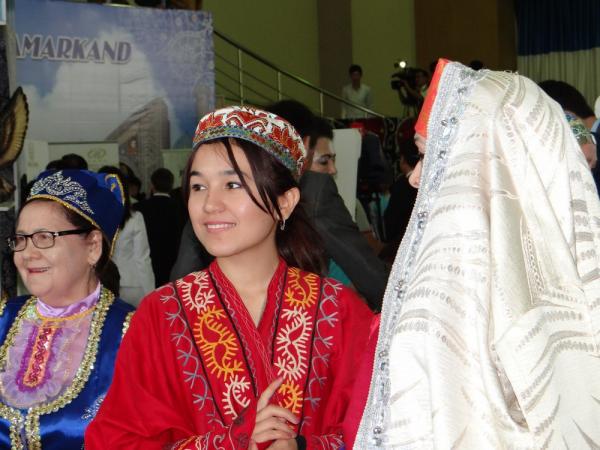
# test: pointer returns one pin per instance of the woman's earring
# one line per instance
(282, 225)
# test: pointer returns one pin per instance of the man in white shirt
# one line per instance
(356, 92)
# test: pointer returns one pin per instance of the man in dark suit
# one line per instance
(343, 241)
(162, 224)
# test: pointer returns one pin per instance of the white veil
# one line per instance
(491, 318)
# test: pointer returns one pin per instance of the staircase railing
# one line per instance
(276, 91)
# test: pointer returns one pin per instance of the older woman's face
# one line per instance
(62, 274)
(415, 177)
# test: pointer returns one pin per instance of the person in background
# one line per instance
(73, 161)
(579, 115)
(571, 100)
(356, 92)
(58, 345)
(132, 251)
(162, 223)
(413, 92)
(584, 138)
(256, 351)
(323, 158)
(134, 184)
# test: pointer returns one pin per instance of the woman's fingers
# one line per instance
(264, 398)
(271, 435)
(273, 423)
(276, 412)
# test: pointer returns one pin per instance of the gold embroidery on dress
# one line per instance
(32, 419)
(126, 323)
(217, 343)
(3, 301)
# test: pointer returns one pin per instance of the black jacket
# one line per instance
(344, 243)
(162, 224)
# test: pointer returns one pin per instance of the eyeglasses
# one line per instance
(41, 239)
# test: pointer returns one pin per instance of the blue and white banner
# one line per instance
(137, 76)
(2, 12)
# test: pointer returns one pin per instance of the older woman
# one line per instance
(58, 345)
(490, 324)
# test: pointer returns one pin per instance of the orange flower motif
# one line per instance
(211, 121)
(282, 136)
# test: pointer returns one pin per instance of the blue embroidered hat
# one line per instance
(97, 197)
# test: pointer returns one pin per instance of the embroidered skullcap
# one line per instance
(267, 130)
(97, 197)
(423, 120)
(581, 133)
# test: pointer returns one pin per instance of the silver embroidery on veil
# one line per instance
(455, 84)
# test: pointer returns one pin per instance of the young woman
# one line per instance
(58, 345)
(258, 350)
(489, 328)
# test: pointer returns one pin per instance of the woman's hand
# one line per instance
(283, 444)
(271, 421)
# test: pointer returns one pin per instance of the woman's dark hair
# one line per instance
(298, 244)
(568, 97)
(115, 171)
(354, 68)
(106, 270)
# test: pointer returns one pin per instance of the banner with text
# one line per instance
(139, 77)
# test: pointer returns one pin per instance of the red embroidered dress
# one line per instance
(193, 363)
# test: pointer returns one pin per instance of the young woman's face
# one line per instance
(415, 177)
(224, 217)
(63, 273)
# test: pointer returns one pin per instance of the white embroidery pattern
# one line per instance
(234, 395)
(292, 343)
(204, 296)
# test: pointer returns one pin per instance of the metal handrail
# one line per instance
(246, 73)
(226, 75)
(322, 92)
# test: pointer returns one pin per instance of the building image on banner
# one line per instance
(142, 136)
(137, 77)
(2, 12)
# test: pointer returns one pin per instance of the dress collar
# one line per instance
(46, 310)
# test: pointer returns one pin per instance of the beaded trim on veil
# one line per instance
(455, 86)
